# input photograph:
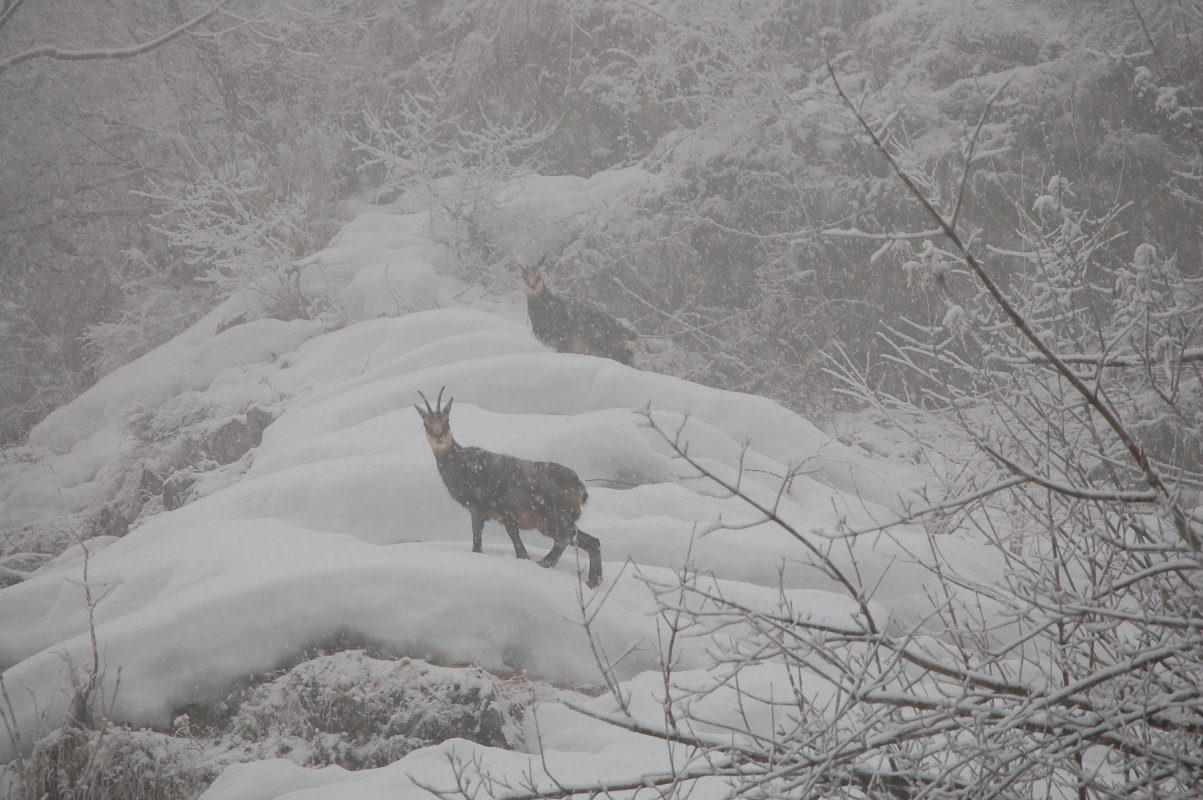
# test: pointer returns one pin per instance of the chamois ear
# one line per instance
(421, 413)
(447, 408)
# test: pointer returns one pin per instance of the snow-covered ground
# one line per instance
(337, 524)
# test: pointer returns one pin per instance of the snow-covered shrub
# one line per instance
(432, 160)
(110, 762)
(239, 234)
(359, 712)
(155, 307)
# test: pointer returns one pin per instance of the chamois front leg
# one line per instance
(478, 530)
(511, 527)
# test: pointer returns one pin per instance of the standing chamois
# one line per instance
(519, 494)
(572, 326)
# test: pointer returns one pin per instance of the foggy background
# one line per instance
(136, 193)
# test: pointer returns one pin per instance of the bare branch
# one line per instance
(100, 54)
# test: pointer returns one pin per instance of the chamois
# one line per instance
(520, 494)
(573, 326)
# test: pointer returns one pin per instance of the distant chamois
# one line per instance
(572, 326)
(519, 494)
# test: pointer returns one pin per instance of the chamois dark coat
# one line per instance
(518, 493)
(573, 326)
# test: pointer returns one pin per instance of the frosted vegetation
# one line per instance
(900, 498)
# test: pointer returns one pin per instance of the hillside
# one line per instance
(336, 528)
(899, 499)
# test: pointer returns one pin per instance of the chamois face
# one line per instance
(437, 423)
(532, 281)
(438, 433)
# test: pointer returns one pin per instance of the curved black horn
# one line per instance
(438, 403)
(424, 400)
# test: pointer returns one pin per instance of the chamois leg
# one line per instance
(553, 556)
(478, 529)
(592, 546)
(511, 527)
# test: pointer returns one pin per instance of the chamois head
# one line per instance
(532, 281)
(437, 423)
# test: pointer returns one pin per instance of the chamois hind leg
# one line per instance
(478, 529)
(553, 556)
(592, 546)
(511, 527)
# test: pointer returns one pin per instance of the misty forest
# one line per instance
(840, 363)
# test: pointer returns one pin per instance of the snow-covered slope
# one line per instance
(340, 527)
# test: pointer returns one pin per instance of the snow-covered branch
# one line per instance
(1188, 355)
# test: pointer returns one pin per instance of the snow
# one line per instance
(433, 767)
(193, 360)
(84, 438)
(275, 778)
(341, 528)
(554, 198)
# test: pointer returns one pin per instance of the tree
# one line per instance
(68, 227)
(105, 169)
